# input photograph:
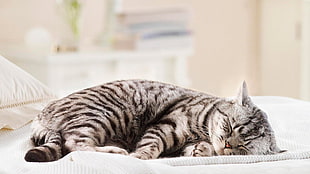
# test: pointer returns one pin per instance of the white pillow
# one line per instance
(21, 96)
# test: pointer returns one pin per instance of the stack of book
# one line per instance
(161, 29)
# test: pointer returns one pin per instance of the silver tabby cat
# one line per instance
(147, 120)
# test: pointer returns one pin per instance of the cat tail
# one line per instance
(48, 146)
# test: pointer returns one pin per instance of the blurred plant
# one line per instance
(72, 11)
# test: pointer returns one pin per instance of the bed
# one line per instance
(22, 97)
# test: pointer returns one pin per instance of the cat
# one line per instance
(149, 120)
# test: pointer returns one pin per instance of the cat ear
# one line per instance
(243, 97)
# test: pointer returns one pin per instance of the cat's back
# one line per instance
(132, 96)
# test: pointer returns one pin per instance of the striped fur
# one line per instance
(147, 120)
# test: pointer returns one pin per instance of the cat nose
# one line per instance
(227, 145)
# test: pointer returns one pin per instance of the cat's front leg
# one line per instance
(153, 143)
(148, 148)
(199, 149)
(145, 154)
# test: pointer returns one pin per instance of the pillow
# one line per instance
(21, 96)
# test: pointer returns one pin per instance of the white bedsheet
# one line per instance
(289, 118)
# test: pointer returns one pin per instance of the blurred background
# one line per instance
(207, 45)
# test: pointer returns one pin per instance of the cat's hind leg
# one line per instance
(86, 146)
(88, 143)
(199, 149)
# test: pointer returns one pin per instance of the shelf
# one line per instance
(68, 72)
(25, 54)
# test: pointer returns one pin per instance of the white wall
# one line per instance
(18, 17)
(305, 47)
(280, 47)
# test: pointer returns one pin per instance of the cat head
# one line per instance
(238, 127)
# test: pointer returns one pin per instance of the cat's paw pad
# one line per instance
(200, 149)
(112, 149)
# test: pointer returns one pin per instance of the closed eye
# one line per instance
(240, 146)
(247, 143)
(226, 129)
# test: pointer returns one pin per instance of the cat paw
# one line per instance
(112, 149)
(200, 149)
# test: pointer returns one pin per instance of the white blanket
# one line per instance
(289, 118)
